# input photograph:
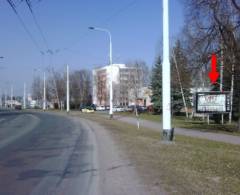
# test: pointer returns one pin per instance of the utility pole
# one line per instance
(221, 78)
(111, 87)
(1, 102)
(5, 99)
(11, 96)
(68, 107)
(44, 91)
(110, 64)
(24, 96)
(232, 88)
(166, 78)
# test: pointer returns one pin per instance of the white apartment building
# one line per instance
(125, 80)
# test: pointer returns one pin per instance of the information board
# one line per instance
(212, 102)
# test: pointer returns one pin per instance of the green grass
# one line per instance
(187, 166)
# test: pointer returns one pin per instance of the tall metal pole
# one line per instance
(44, 92)
(11, 96)
(24, 96)
(68, 107)
(5, 99)
(221, 77)
(111, 85)
(166, 78)
(110, 63)
(1, 102)
(231, 91)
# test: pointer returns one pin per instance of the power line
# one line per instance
(120, 10)
(12, 5)
(37, 24)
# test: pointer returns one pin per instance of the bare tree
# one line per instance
(213, 26)
(136, 82)
(80, 87)
(37, 88)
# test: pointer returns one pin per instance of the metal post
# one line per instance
(11, 96)
(111, 87)
(1, 102)
(44, 92)
(221, 78)
(24, 96)
(5, 99)
(166, 78)
(110, 63)
(68, 107)
(231, 91)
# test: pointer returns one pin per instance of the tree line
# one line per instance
(80, 88)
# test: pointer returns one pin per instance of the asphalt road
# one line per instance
(43, 154)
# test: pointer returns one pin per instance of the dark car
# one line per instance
(18, 107)
(140, 109)
(92, 106)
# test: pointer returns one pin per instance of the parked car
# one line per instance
(88, 109)
(128, 109)
(81, 107)
(18, 107)
(118, 109)
(140, 109)
(100, 108)
(92, 106)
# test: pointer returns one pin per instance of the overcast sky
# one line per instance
(136, 27)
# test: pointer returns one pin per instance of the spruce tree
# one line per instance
(156, 85)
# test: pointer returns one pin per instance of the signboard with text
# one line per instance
(212, 102)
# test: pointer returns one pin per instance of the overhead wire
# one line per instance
(120, 10)
(37, 24)
(12, 5)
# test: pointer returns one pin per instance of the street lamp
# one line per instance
(166, 78)
(110, 63)
(44, 89)
(68, 105)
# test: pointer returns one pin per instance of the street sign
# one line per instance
(212, 102)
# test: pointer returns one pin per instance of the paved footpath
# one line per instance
(182, 131)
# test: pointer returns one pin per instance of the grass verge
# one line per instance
(187, 166)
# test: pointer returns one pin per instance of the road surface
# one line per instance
(45, 154)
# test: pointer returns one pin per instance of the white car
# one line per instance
(100, 108)
(118, 109)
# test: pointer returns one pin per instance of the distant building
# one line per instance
(125, 79)
(14, 103)
(143, 99)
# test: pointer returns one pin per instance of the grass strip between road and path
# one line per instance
(186, 166)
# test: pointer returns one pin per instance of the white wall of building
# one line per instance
(113, 70)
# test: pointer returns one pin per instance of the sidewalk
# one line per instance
(182, 131)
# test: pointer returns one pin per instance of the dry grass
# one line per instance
(187, 166)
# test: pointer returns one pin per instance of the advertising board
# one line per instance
(212, 102)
